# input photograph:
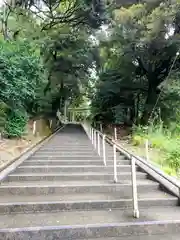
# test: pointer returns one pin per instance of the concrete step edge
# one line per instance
(79, 185)
(104, 230)
(73, 174)
(89, 201)
(72, 166)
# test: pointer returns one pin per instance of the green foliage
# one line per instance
(20, 73)
(169, 171)
(136, 60)
(173, 159)
(3, 114)
(45, 61)
(164, 140)
(140, 130)
(90, 13)
(137, 140)
(15, 123)
(68, 57)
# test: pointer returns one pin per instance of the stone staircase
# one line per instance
(63, 191)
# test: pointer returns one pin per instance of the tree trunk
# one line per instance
(132, 113)
(137, 103)
(150, 102)
(6, 13)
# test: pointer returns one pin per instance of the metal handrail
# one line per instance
(149, 165)
(135, 160)
(146, 163)
(95, 135)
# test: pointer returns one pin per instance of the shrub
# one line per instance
(16, 123)
(173, 159)
(137, 140)
(166, 140)
(3, 113)
(21, 73)
(140, 130)
(169, 171)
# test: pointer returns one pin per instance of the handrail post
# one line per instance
(98, 141)
(147, 149)
(115, 163)
(115, 134)
(95, 138)
(104, 149)
(92, 135)
(134, 188)
(90, 132)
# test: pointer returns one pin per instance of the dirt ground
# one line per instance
(12, 148)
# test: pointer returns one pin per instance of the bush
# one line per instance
(16, 123)
(173, 159)
(164, 139)
(3, 113)
(158, 140)
(140, 130)
(137, 140)
(21, 73)
(169, 171)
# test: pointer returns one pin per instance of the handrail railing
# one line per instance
(95, 136)
(146, 163)
(135, 160)
(149, 165)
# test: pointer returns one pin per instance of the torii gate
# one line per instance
(71, 114)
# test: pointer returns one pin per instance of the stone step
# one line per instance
(62, 162)
(71, 176)
(72, 162)
(73, 153)
(67, 148)
(62, 153)
(72, 168)
(67, 152)
(71, 202)
(141, 237)
(89, 224)
(44, 188)
(70, 157)
(76, 157)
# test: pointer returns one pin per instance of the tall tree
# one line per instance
(144, 45)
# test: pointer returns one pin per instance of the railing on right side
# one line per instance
(95, 137)
(169, 183)
(155, 172)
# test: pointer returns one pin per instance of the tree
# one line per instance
(144, 43)
(68, 56)
(21, 72)
(54, 12)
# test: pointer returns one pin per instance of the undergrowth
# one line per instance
(165, 139)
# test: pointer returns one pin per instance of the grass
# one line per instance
(165, 141)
